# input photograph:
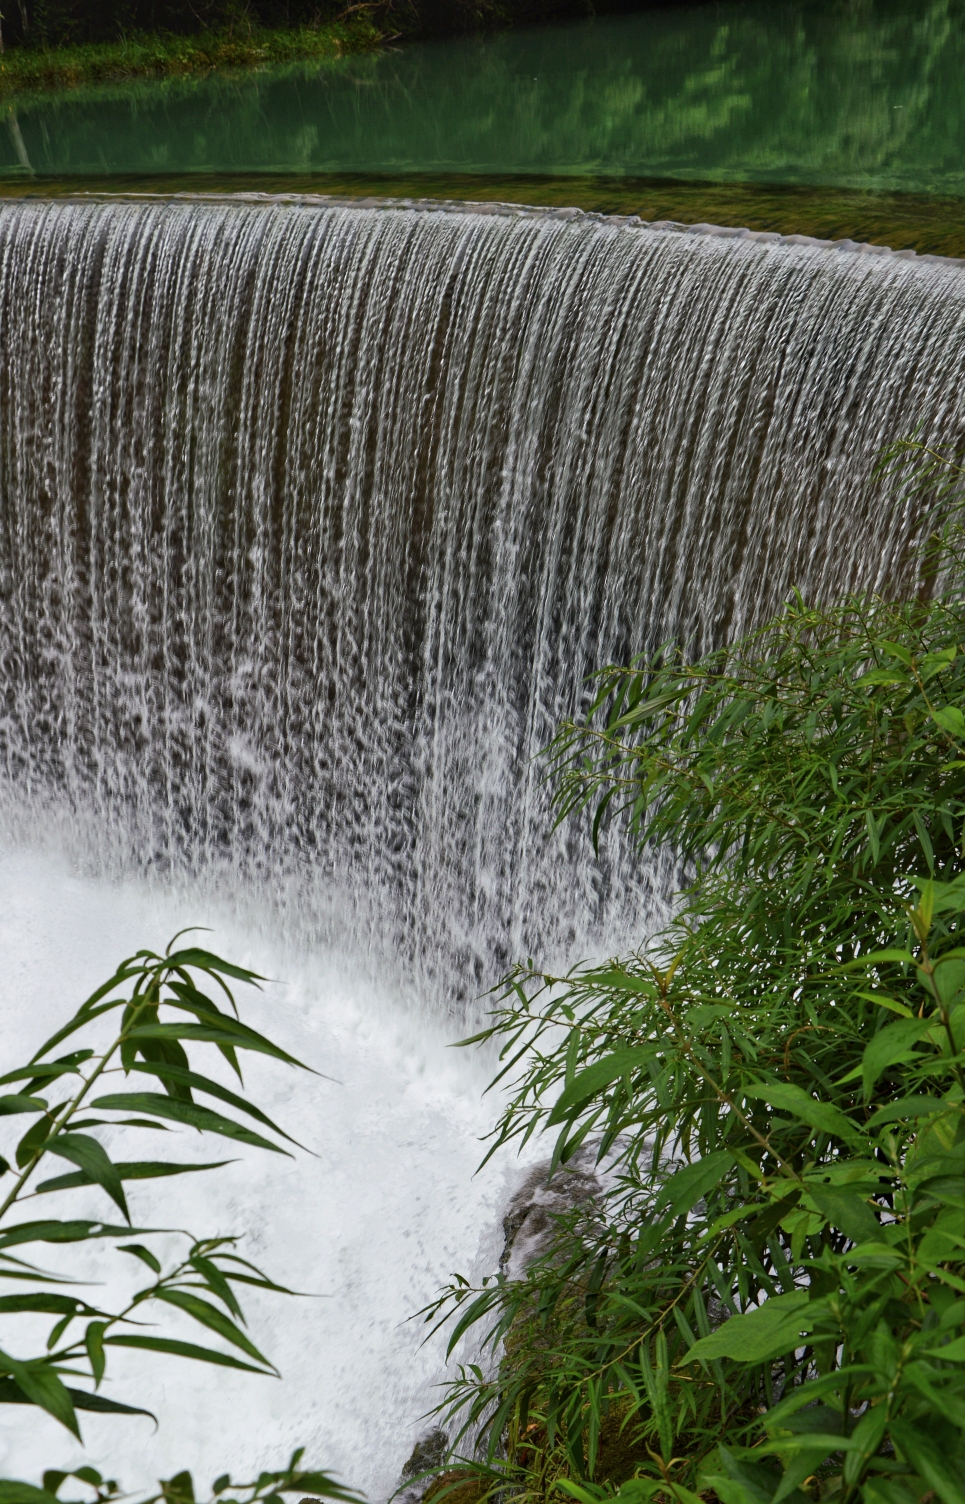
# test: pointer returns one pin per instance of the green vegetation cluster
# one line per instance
(163, 1012)
(167, 54)
(58, 43)
(766, 1304)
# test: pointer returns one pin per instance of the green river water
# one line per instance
(831, 117)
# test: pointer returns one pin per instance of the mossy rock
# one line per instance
(459, 1486)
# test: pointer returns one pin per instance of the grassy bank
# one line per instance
(25, 69)
(242, 34)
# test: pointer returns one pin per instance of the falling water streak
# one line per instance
(315, 517)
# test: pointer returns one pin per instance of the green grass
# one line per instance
(155, 56)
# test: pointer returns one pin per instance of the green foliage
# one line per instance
(771, 1290)
(24, 69)
(141, 1022)
(63, 43)
(267, 1488)
(33, 24)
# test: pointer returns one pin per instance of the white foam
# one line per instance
(374, 1224)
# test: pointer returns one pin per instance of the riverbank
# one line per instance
(354, 29)
(27, 69)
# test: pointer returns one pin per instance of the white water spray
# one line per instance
(370, 1227)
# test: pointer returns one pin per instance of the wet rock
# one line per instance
(528, 1227)
(427, 1456)
(457, 1487)
(530, 1219)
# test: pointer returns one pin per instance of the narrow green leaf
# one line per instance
(878, 957)
(597, 1077)
(890, 1046)
(144, 1254)
(881, 676)
(766, 1332)
(689, 1185)
(846, 1210)
(77, 1022)
(91, 1157)
(36, 1134)
(795, 1100)
(11, 1394)
(950, 719)
(945, 898)
(206, 960)
(217, 1282)
(950, 1352)
(182, 1350)
(906, 1107)
(226, 1031)
(127, 970)
(12, 1104)
(938, 1471)
(42, 1301)
(189, 1078)
(191, 1113)
(12, 1491)
(208, 1315)
(121, 1123)
(320, 1485)
(67, 1066)
(94, 1342)
(43, 1388)
(57, 1331)
(63, 1232)
(133, 1170)
(617, 978)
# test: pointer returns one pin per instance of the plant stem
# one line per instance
(60, 1127)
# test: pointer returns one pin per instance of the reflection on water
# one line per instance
(852, 93)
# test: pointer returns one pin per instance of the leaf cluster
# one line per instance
(127, 1067)
(771, 1290)
(267, 1488)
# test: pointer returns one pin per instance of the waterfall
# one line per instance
(316, 515)
(313, 518)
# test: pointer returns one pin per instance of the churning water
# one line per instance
(369, 1227)
(314, 518)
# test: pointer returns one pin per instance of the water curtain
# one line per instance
(315, 516)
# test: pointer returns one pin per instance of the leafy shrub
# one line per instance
(54, 23)
(163, 1012)
(770, 1294)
